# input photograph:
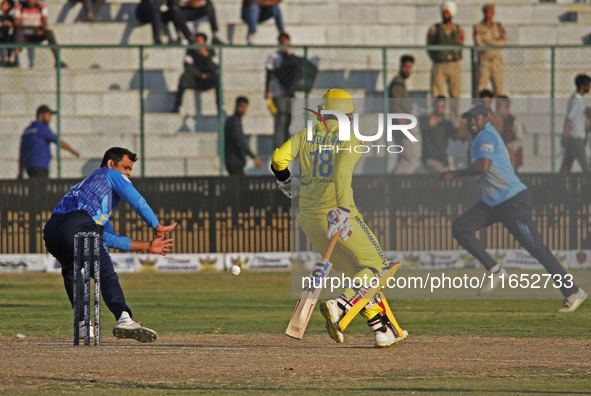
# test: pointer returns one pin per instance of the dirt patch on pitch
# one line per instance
(274, 362)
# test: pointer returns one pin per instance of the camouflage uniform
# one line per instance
(491, 61)
(446, 63)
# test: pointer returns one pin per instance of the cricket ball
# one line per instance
(235, 270)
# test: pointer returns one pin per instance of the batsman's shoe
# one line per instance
(332, 312)
(383, 332)
(132, 329)
(492, 281)
(572, 302)
(389, 338)
(81, 332)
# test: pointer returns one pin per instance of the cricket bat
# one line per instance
(305, 306)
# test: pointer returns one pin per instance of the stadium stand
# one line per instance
(100, 102)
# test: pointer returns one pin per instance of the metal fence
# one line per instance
(122, 95)
(249, 214)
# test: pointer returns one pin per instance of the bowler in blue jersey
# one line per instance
(87, 208)
(507, 200)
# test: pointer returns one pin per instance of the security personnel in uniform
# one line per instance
(446, 63)
(490, 33)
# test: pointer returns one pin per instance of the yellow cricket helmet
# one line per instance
(337, 99)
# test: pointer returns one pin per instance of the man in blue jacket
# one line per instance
(34, 152)
(86, 208)
(507, 200)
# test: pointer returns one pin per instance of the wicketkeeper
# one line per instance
(327, 208)
(86, 208)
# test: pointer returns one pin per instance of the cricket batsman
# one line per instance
(327, 208)
(87, 208)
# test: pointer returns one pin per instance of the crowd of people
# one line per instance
(444, 119)
(26, 22)
(437, 130)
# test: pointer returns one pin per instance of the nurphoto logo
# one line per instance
(392, 125)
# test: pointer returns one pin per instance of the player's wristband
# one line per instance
(282, 175)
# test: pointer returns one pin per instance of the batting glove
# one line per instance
(290, 187)
(338, 221)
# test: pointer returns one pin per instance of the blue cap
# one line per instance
(476, 110)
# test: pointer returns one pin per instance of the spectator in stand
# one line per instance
(486, 99)
(490, 33)
(511, 132)
(172, 13)
(446, 63)
(436, 132)
(397, 88)
(92, 9)
(278, 94)
(236, 147)
(6, 28)
(30, 21)
(157, 11)
(34, 151)
(574, 138)
(258, 11)
(201, 72)
(193, 10)
(400, 104)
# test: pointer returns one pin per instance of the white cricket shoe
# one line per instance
(383, 332)
(491, 281)
(573, 301)
(129, 328)
(81, 331)
(384, 340)
(332, 313)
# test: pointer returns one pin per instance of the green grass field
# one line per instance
(35, 304)
(207, 303)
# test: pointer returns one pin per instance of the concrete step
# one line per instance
(354, 34)
(116, 103)
(198, 145)
(175, 123)
(154, 124)
(527, 71)
(88, 145)
(70, 12)
(133, 33)
(204, 102)
(298, 12)
(183, 167)
(379, 22)
(86, 125)
(75, 168)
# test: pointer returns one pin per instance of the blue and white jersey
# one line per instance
(500, 182)
(100, 193)
(113, 240)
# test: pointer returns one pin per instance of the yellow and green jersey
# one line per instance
(326, 168)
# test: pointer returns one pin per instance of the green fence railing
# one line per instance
(122, 95)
